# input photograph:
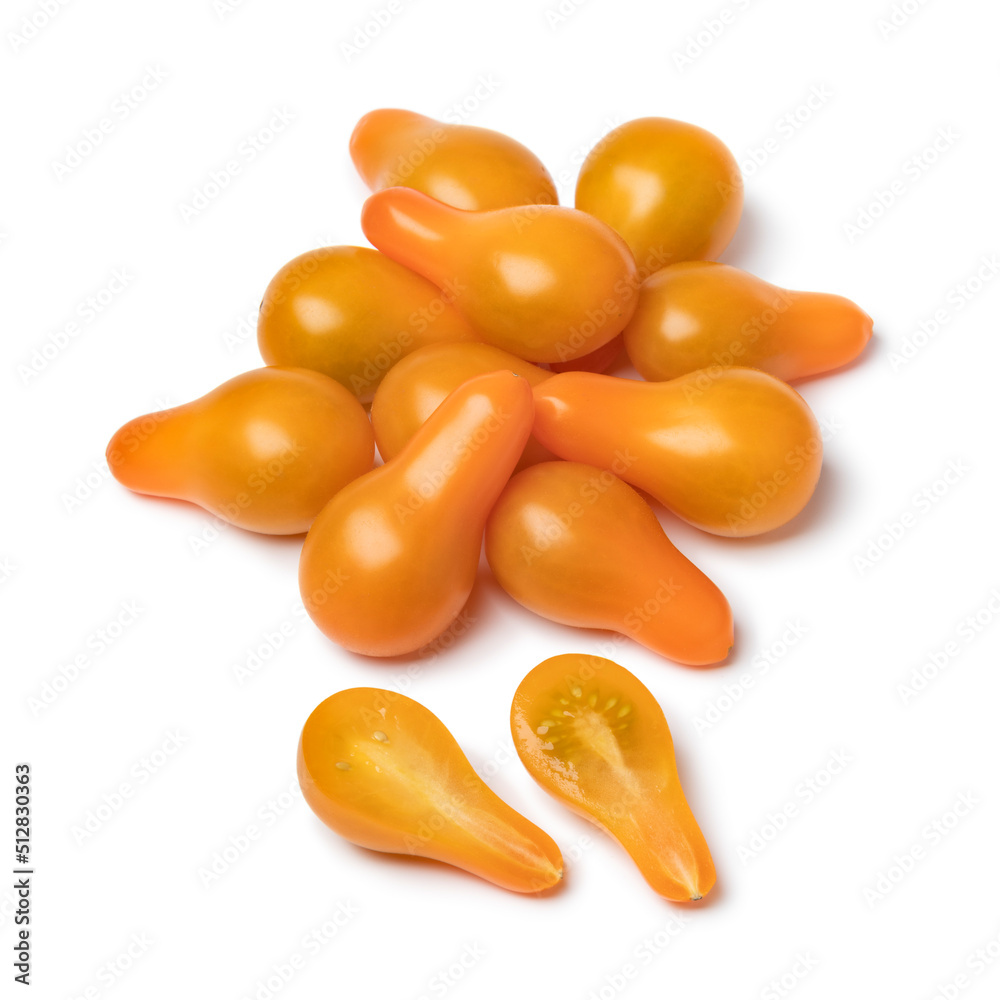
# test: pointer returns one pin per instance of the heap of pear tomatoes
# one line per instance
(482, 327)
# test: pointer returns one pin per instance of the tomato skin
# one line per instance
(698, 314)
(575, 544)
(390, 562)
(471, 168)
(593, 736)
(264, 451)
(597, 361)
(414, 388)
(671, 189)
(384, 772)
(351, 313)
(733, 451)
(541, 282)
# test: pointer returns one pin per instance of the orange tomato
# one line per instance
(698, 314)
(471, 168)
(672, 190)
(264, 451)
(541, 282)
(384, 772)
(573, 543)
(597, 361)
(591, 734)
(391, 560)
(732, 451)
(415, 387)
(352, 313)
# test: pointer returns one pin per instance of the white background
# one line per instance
(895, 430)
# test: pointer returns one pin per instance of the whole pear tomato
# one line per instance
(264, 451)
(542, 282)
(391, 560)
(733, 451)
(574, 543)
(698, 314)
(352, 313)
(672, 190)
(472, 168)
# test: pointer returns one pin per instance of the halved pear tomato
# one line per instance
(592, 735)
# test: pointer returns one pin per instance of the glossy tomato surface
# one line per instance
(733, 451)
(699, 314)
(418, 384)
(352, 313)
(541, 282)
(577, 545)
(264, 451)
(391, 560)
(672, 190)
(472, 168)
